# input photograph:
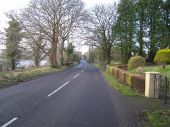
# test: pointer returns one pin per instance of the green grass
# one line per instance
(165, 71)
(157, 118)
(125, 90)
(14, 77)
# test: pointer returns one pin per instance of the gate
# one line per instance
(162, 88)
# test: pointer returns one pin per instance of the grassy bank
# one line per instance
(157, 119)
(124, 90)
(13, 77)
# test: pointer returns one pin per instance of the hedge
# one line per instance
(135, 81)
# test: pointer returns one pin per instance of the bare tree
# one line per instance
(2, 38)
(71, 19)
(56, 19)
(100, 29)
(38, 47)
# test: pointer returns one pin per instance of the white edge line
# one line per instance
(8, 123)
(58, 89)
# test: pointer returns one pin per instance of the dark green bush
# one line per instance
(135, 62)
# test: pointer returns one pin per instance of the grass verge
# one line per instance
(157, 118)
(13, 77)
(124, 90)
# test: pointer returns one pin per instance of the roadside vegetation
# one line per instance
(156, 115)
(124, 90)
(129, 30)
(14, 77)
(165, 71)
(155, 68)
(157, 119)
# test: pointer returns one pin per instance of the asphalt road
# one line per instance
(75, 97)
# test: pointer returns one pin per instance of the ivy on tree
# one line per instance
(13, 38)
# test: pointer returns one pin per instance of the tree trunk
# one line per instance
(163, 65)
(141, 38)
(37, 63)
(152, 40)
(109, 55)
(13, 65)
(37, 56)
(62, 53)
(53, 55)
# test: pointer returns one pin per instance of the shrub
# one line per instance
(135, 62)
(162, 57)
(140, 71)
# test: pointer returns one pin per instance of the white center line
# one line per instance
(58, 89)
(79, 73)
(8, 123)
(83, 70)
(76, 75)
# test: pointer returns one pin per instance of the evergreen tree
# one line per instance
(125, 27)
(155, 26)
(13, 38)
(166, 19)
(142, 25)
(141, 6)
(70, 52)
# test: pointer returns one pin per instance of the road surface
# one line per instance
(75, 97)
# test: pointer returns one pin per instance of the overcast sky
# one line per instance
(8, 5)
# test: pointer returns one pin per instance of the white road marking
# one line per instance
(10, 122)
(79, 73)
(65, 84)
(76, 76)
(58, 89)
(83, 70)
